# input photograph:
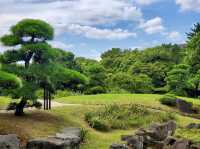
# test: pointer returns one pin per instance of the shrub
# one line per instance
(37, 104)
(83, 134)
(96, 90)
(124, 117)
(12, 106)
(169, 100)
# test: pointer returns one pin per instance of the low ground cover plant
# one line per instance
(124, 117)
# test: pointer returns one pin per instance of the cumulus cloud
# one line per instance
(145, 2)
(153, 26)
(63, 13)
(96, 33)
(186, 5)
(61, 45)
(174, 35)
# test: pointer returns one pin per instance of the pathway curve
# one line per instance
(53, 105)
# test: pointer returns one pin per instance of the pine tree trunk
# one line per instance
(19, 111)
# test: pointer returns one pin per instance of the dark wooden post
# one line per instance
(50, 100)
(44, 96)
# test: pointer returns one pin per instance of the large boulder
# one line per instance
(68, 138)
(49, 143)
(10, 141)
(157, 132)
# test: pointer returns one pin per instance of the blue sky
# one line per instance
(90, 27)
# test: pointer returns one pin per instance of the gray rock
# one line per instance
(184, 106)
(10, 141)
(157, 132)
(49, 143)
(181, 144)
(193, 126)
(68, 138)
(72, 131)
(118, 146)
(136, 142)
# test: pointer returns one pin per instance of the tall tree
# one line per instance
(194, 31)
(31, 36)
(177, 79)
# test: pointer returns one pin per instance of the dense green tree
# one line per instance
(177, 79)
(95, 72)
(193, 53)
(44, 67)
(194, 82)
(194, 31)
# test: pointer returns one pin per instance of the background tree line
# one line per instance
(36, 65)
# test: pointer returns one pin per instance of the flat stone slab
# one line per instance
(10, 141)
(68, 138)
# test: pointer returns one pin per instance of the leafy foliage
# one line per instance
(169, 100)
(123, 117)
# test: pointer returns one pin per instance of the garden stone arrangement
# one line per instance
(68, 138)
(157, 136)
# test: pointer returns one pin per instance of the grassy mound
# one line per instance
(124, 117)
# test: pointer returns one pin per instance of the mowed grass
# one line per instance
(41, 123)
(148, 100)
(4, 101)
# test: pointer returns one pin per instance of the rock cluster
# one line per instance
(158, 136)
(68, 138)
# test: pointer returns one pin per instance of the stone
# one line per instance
(157, 132)
(135, 142)
(49, 143)
(181, 144)
(184, 106)
(193, 126)
(195, 146)
(118, 146)
(10, 141)
(68, 138)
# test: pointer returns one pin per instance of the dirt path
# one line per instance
(54, 104)
(59, 104)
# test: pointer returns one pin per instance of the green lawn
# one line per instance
(149, 100)
(40, 123)
(4, 101)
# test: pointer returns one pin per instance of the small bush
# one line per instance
(169, 100)
(83, 134)
(12, 106)
(37, 104)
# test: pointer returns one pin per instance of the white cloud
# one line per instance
(145, 2)
(186, 5)
(61, 45)
(174, 35)
(62, 13)
(96, 33)
(153, 26)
